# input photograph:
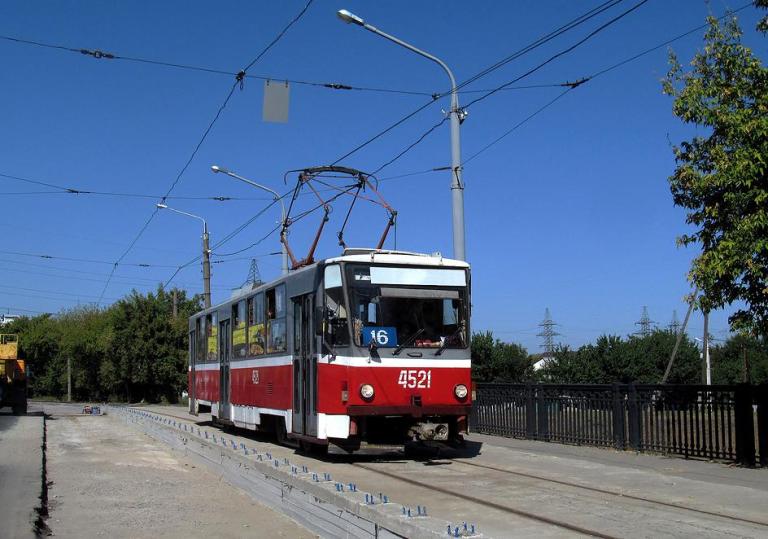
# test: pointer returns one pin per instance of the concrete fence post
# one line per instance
(744, 423)
(619, 438)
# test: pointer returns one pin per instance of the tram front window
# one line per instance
(400, 315)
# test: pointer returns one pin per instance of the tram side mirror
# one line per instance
(319, 321)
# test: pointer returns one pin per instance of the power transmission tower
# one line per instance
(644, 323)
(548, 333)
(674, 325)
(254, 276)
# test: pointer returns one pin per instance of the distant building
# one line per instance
(7, 318)
(540, 360)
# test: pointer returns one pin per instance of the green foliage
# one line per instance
(728, 360)
(721, 179)
(134, 350)
(497, 361)
(612, 359)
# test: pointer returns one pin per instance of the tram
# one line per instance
(369, 348)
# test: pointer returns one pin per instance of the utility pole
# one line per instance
(69, 379)
(747, 376)
(671, 361)
(206, 268)
(254, 275)
(175, 311)
(206, 252)
(548, 333)
(674, 325)
(705, 345)
(644, 323)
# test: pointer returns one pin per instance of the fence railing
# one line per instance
(713, 422)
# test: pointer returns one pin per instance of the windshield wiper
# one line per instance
(406, 342)
(448, 339)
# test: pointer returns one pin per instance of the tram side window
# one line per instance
(276, 325)
(239, 341)
(212, 333)
(200, 342)
(256, 332)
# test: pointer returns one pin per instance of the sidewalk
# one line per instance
(111, 481)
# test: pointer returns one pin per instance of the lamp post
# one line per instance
(206, 253)
(277, 198)
(456, 115)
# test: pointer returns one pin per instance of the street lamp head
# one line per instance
(217, 168)
(161, 206)
(349, 18)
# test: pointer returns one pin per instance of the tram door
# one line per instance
(224, 357)
(304, 368)
(192, 390)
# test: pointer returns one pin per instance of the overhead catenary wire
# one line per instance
(552, 58)
(95, 53)
(529, 72)
(61, 189)
(9, 308)
(238, 82)
(67, 273)
(123, 281)
(571, 86)
(581, 19)
(88, 260)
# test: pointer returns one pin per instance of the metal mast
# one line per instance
(674, 325)
(548, 333)
(644, 323)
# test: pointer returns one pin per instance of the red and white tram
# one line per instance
(371, 347)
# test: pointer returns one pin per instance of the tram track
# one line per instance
(487, 503)
(523, 513)
(466, 497)
(621, 495)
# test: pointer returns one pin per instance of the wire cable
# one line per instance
(238, 82)
(581, 19)
(524, 75)
(583, 40)
(88, 260)
(569, 86)
(76, 191)
(517, 126)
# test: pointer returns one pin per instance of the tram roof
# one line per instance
(368, 256)
(396, 257)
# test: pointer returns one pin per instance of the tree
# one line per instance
(148, 350)
(728, 360)
(722, 178)
(497, 361)
(611, 359)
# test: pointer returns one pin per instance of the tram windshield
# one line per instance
(406, 307)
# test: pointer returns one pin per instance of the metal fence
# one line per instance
(713, 422)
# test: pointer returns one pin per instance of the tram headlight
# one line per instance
(366, 391)
(460, 391)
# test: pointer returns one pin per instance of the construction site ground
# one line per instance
(106, 480)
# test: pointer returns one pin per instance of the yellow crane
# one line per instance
(13, 375)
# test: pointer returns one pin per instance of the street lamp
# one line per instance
(456, 116)
(277, 198)
(206, 253)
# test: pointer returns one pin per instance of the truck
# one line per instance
(13, 375)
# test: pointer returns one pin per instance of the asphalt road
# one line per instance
(21, 460)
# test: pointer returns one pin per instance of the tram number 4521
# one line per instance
(412, 378)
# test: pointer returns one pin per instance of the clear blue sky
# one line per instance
(572, 211)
